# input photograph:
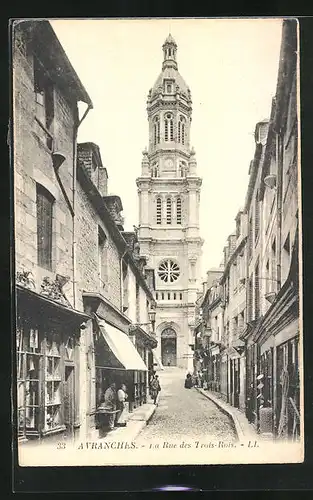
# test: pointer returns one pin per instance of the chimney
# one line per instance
(115, 207)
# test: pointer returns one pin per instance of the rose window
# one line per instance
(168, 271)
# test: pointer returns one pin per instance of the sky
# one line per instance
(231, 67)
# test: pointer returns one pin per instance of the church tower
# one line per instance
(169, 198)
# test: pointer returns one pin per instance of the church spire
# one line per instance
(169, 53)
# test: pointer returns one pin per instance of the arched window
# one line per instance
(178, 211)
(159, 210)
(156, 130)
(169, 52)
(168, 127)
(168, 211)
(181, 127)
(183, 133)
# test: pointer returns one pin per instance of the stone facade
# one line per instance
(49, 317)
(74, 268)
(169, 197)
(261, 353)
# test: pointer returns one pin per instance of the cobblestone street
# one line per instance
(185, 413)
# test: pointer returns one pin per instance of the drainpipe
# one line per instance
(122, 287)
(77, 125)
(280, 164)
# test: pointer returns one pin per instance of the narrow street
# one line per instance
(185, 413)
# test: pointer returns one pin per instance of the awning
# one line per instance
(232, 353)
(121, 346)
(215, 350)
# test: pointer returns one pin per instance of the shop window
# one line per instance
(28, 390)
(53, 417)
(44, 204)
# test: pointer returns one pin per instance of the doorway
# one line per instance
(69, 400)
(169, 347)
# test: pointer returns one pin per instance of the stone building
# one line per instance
(169, 198)
(273, 367)
(46, 93)
(261, 342)
(113, 289)
(209, 332)
(234, 319)
(83, 294)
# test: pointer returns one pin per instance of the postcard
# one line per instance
(157, 226)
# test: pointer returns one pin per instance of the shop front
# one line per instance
(47, 354)
(117, 360)
(214, 382)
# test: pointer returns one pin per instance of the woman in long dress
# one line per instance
(188, 381)
(121, 406)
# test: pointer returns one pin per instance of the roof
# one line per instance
(48, 47)
(170, 40)
(171, 74)
(92, 146)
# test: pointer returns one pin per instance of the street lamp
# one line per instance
(151, 314)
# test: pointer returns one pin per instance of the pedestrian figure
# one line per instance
(155, 388)
(152, 377)
(188, 381)
(109, 404)
(121, 403)
(200, 375)
(250, 394)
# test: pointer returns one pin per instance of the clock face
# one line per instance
(169, 163)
